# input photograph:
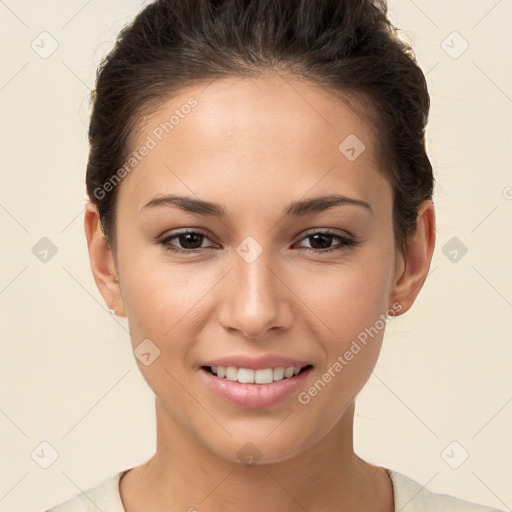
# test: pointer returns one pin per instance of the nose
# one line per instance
(256, 299)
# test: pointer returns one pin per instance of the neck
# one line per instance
(186, 475)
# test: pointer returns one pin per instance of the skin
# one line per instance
(254, 146)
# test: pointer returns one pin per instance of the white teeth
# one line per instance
(289, 372)
(263, 376)
(231, 373)
(246, 375)
(250, 376)
(278, 373)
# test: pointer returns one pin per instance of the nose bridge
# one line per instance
(255, 302)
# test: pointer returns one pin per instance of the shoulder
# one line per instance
(104, 496)
(410, 496)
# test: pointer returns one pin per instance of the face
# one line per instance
(272, 283)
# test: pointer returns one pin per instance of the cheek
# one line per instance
(160, 307)
(156, 300)
(150, 287)
(349, 304)
(165, 302)
(347, 298)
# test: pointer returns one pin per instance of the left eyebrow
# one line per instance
(294, 209)
(319, 204)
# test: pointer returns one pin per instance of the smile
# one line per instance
(251, 376)
(255, 388)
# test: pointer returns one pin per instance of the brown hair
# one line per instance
(348, 47)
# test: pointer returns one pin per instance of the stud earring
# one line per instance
(112, 311)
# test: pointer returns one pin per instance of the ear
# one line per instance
(102, 261)
(413, 266)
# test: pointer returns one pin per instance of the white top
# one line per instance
(409, 495)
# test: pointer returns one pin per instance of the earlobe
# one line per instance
(102, 261)
(416, 259)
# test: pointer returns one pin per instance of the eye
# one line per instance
(325, 238)
(192, 242)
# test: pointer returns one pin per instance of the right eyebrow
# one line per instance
(188, 204)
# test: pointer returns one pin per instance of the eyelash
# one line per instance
(345, 241)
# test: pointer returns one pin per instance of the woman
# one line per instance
(260, 208)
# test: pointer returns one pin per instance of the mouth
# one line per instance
(259, 376)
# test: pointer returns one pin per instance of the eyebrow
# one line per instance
(294, 209)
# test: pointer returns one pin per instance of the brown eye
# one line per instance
(188, 241)
(321, 242)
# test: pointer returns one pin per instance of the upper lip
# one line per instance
(256, 363)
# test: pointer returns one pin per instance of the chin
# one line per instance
(260, 446)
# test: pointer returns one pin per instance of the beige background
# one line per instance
(68, 376)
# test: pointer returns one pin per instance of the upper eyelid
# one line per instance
(330, 231)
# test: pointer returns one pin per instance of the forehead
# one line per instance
(271, 135)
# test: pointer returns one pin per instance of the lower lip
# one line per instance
(255, 395)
